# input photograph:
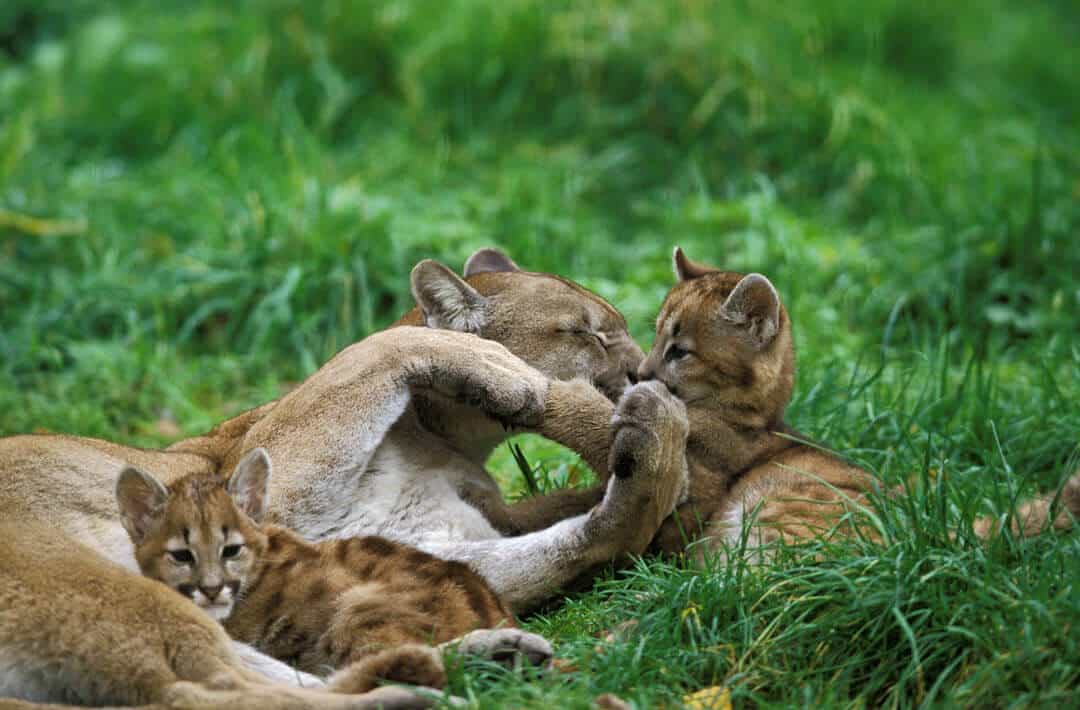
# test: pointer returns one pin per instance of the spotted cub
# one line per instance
(368, 603)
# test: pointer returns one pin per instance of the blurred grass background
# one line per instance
(200, 202)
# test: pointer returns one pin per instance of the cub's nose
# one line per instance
(211, 592)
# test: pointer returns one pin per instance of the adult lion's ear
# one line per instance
(755, 305)
(686, 269)
(489, 259)
(141, 498)
(249, 484)
(445, 299)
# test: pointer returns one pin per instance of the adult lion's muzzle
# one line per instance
(625, 357)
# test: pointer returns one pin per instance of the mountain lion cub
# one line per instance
(724, 346)
(367, 601)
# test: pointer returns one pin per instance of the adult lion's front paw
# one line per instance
(484, 374)
(649, 425)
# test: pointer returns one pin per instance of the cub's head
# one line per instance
(723, 343)
(558, 327)
(200, 535)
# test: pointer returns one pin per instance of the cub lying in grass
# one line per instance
(368, 603)
(724, 346)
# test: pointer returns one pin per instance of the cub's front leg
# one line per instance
(646, 427)
(579, 417)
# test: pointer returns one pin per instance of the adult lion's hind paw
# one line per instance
(507, 647)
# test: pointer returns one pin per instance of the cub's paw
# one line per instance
(649, 423)
(507, 647)
(413, 664)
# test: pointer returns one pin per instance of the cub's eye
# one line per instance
(230, 550)
(675, 352)
(183, 557)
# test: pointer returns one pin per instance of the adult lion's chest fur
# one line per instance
(411, 490)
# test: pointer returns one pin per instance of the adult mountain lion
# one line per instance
(387, 438)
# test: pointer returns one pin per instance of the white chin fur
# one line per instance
(219, 612)
(220, 608)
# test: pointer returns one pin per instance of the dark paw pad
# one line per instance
(624, 464)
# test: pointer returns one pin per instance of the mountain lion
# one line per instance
(390, 438)
(366, 601)
(724, 346)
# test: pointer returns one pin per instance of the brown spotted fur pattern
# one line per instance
(317, 606)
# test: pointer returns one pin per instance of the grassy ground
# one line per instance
(200, 202)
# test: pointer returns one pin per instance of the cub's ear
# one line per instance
(489, 259)
(249, 482)
(141, 498)
(446, 300)
(754, 304)
(686, 269)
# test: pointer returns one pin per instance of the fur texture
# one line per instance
(78, 630)
(724, 346)
(313, 605)
(390, 438)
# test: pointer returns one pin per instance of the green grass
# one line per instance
(201, 202)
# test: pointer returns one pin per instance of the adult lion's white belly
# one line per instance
(412, 496)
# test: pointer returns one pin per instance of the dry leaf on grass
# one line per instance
(716, 697)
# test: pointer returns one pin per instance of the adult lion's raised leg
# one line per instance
(322, 435)
(646, 459)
